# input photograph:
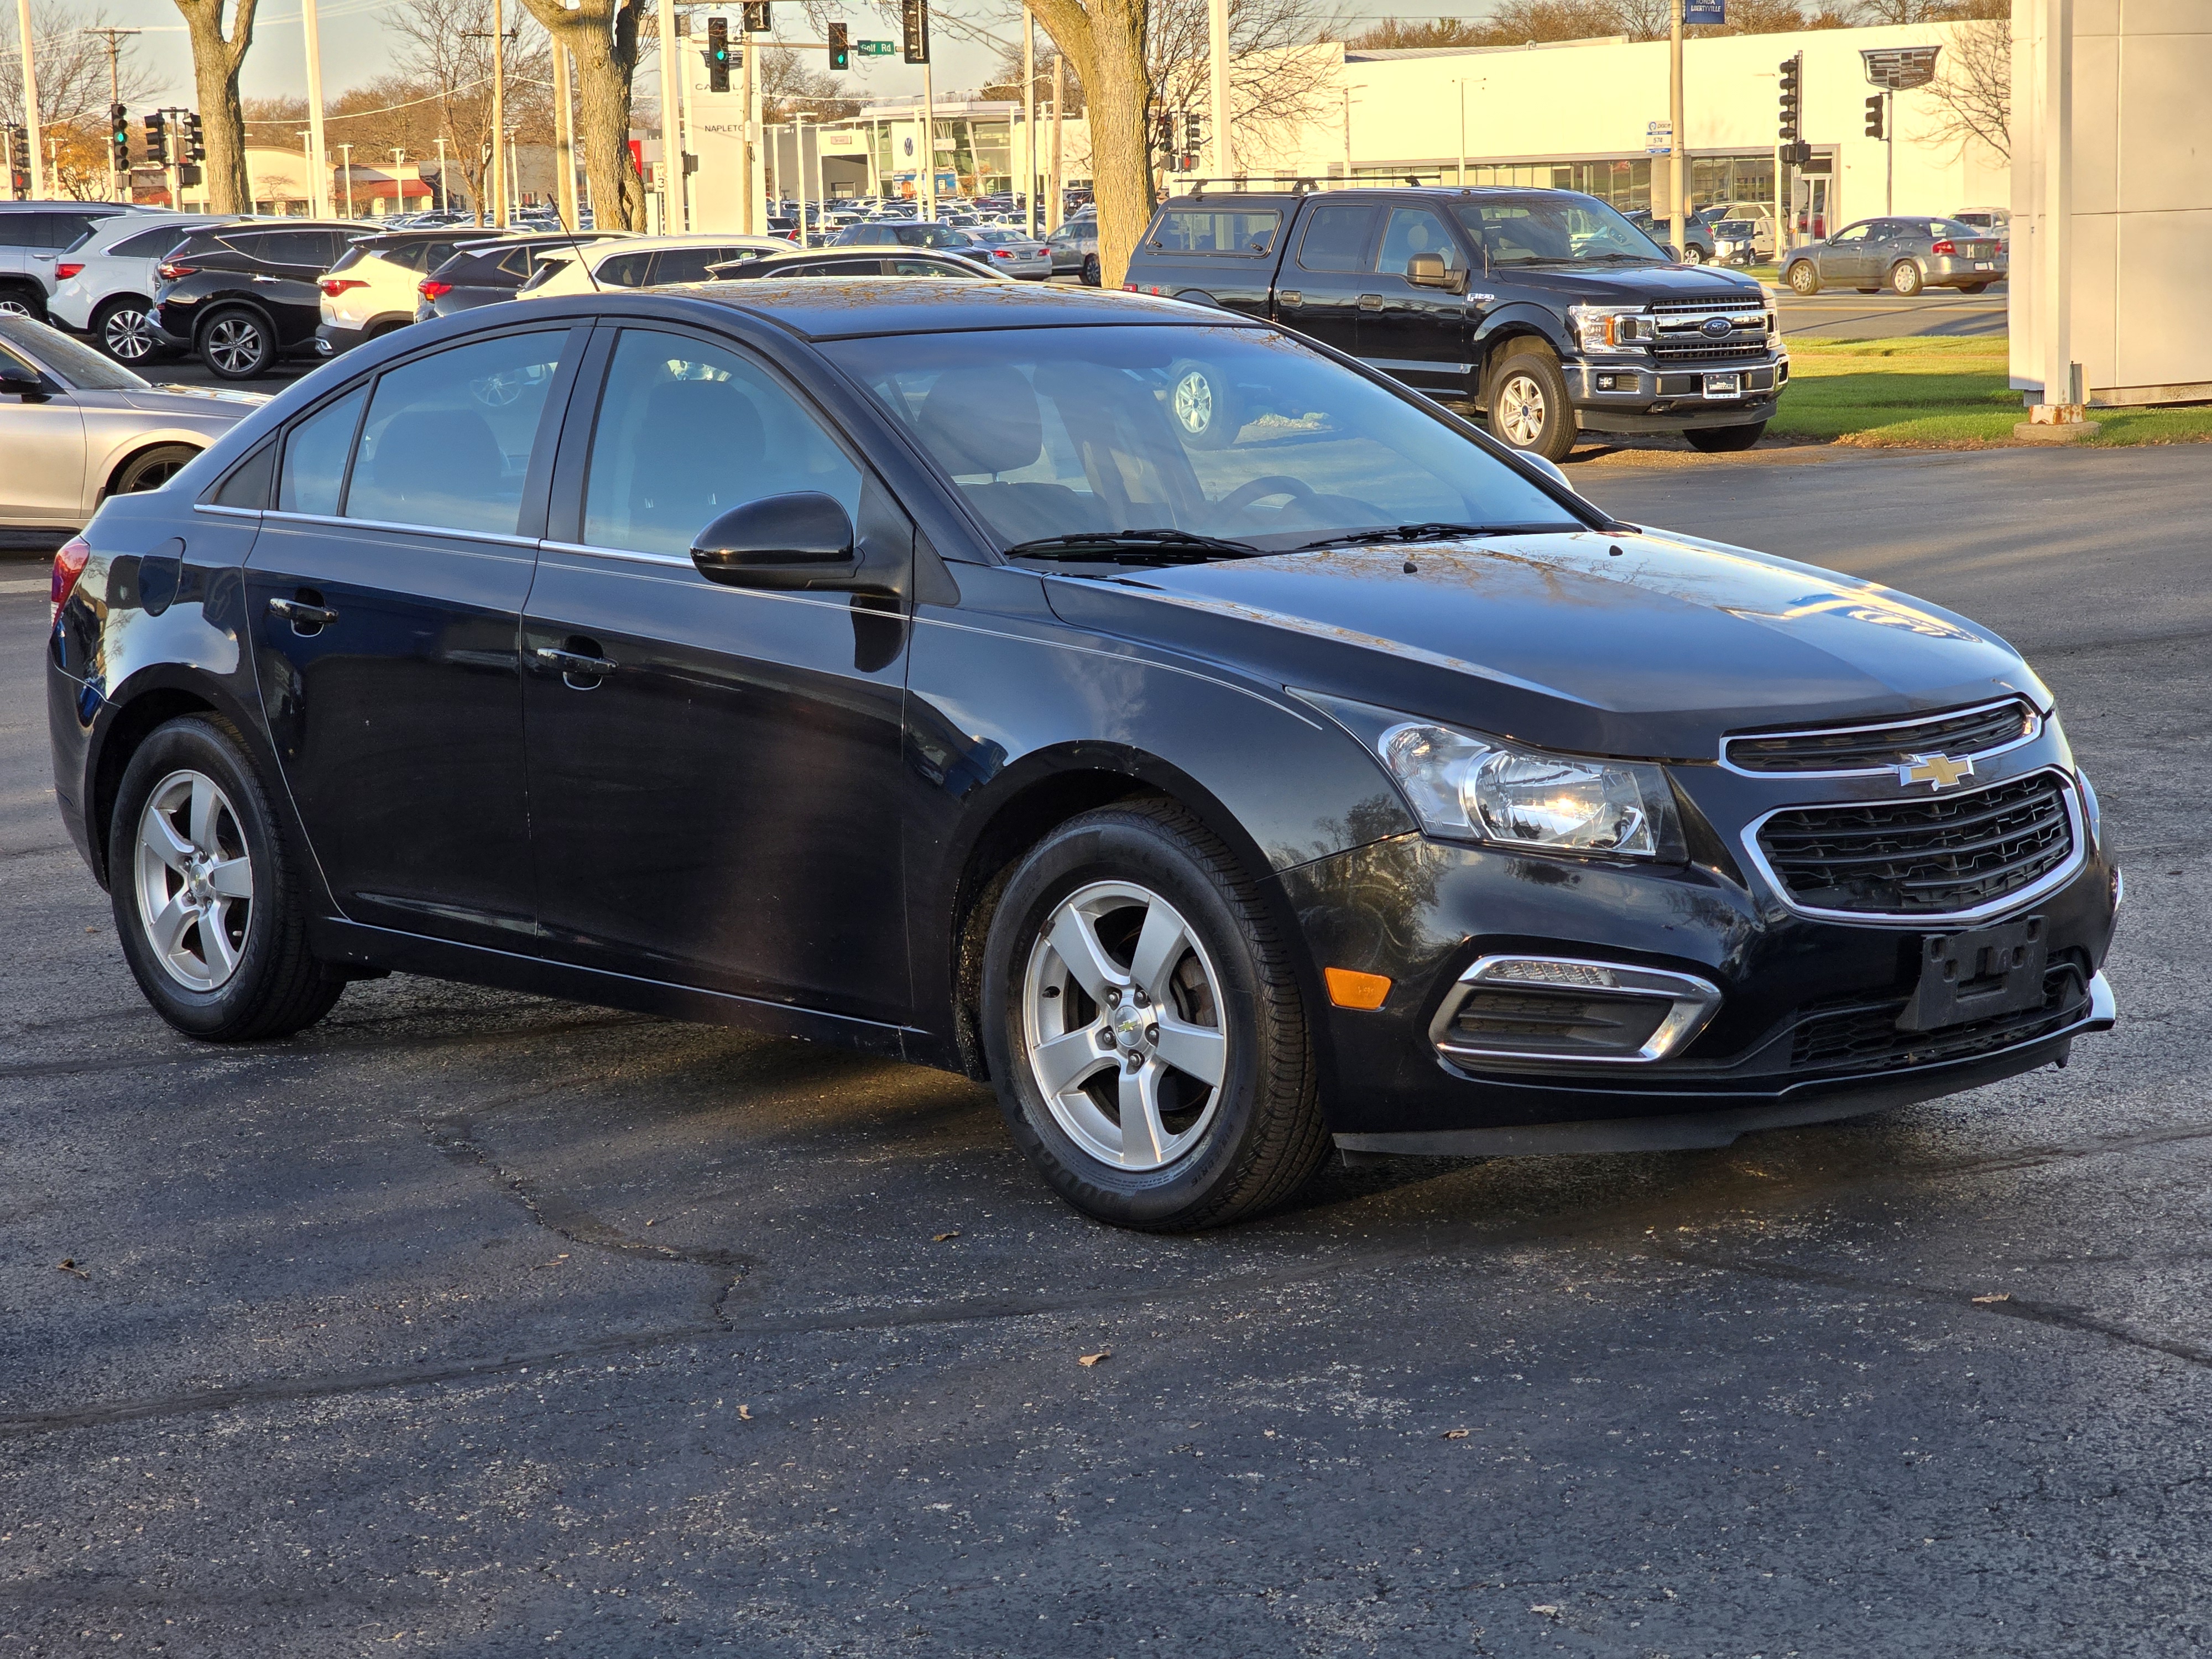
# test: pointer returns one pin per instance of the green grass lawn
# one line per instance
(1935, 392)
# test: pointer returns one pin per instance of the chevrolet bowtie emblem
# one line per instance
(1937, 771)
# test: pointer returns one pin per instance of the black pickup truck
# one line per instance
(1544, 308)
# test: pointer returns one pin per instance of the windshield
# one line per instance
(69, 360)
(1227, 432)
(1556, 230)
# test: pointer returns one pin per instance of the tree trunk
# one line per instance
(1106, 39)
(601, 38)
(215, 64)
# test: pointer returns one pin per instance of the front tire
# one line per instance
(1203, 405)
(1145, 1030)
(1803, 279)
(1725, 440)
(1090, 271)
(205, 893)
(125, 331)
(1694, 255)
(237, 345)
(1529, 409)
(1904, 278)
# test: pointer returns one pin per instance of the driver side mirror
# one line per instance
(1429, 271)
(802, 540)
(19, 379)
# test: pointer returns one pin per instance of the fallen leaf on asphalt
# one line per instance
(555, 1262)
(1093, 1359)
(939, 1238)
(68, 1265)
(745, 1413)
(1546, 1609)
(2001, 1296)
(1455, 1434)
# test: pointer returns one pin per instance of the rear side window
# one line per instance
(148, 244)
(448, 437)
(1338, 238)
(688, 265)
(315, 457)
(625, 270)
(515, 262)
(1216, 230)
(349, 259)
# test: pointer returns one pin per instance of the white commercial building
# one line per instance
(1587, 115)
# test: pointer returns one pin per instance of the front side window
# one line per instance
(1067, 431)
(1417, 230)
(1555, 230)
(685, 432)
(448, 437)
(315, 457)
(1855, 234)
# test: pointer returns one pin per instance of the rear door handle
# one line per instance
(302, 614)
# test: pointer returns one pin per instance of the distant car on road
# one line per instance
(77, 427)
(1903, 255)
(105, 285)
(1699, 246)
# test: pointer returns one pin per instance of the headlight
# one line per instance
(1601, 330)
(1466, 788)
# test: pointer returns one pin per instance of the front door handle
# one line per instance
(1370, 302)
(576, 666)
(1290, 297)
(305, 617)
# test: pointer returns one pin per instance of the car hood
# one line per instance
(1633, 284)
(206, 403)
(1654, 650)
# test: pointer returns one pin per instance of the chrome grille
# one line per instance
(1932, 857)
(1676, 352)
(1877, 748)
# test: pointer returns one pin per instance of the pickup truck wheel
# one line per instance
(1204, 405)
(1803, 279)
(1528, 405)
(1725, 440)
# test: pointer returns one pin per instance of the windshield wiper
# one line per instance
(1417, 532)
(1132, 547)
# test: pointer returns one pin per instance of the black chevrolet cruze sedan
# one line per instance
(877, 661)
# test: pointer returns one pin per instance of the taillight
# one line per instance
(1944, 249)
(69, 565)
(335, 286)
(431, 288)
(67, 271)
(169, 273)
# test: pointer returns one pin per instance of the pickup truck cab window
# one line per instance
(1216, 230)
(1417, 230)
(1338, 237)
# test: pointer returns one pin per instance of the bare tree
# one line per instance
(1972, 86)
(442, 52)
(603, 39)
(1274, 88)
(1519, 22)
(789, 85)
(72, 69)
(216, 59)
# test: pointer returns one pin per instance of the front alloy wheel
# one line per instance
(1203, 407)
(1803, 279)
(237, 347)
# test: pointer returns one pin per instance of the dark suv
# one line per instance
(241, 296)
(1544, 308)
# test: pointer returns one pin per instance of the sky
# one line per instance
(357, 47)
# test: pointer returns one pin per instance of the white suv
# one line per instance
(104, 286)
(373, 287)
(640, 262)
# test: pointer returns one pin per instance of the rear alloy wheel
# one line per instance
(1090, 271)
(124, 330)
(1725, 440)
(1528, 405)
(236, 345)
(19, 302)
(204, 891)
(1204, 406)
(1803, 279)
(151, 469)
(1694, 255)
(1974, 287)
(1145, 1029)
(1905, 277)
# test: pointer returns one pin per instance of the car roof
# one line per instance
(842, 307)
(695, 238)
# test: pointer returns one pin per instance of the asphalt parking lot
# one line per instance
(476, 1325)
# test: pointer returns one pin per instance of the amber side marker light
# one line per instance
(1349, 990)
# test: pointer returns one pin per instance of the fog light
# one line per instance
(1608, 383)
(1555, 1008)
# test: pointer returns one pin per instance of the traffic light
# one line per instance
(840, 49)
(914, 24)
(19, 160)
(195, 147)
(1194, 139)
(1874, 117)
(756, 16)
(1793, 73)
(718, 54)
(157, 139)
(119, 136)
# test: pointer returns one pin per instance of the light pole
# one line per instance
(319, 173)
(1217, 45)
(1028, 122)
(672, 121)
(31, 102)
(345, 152)
(564, 137)
(1676, 137)
(445, 196)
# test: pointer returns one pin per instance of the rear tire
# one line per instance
(1196, 1023)
(1725, 440)
(1090, 271)
(1529, 409)
(1974, 287)
(1694, 255)
(151, 469)
(205, 893)
(1803, 279)
(237, 345)
(124, 329)
(1904, 278)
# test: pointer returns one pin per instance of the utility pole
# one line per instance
(1678, 177)
(115, 38)
(1348, 136)
(1056, 202)
(445, 196)
(672, 121)
(564, 138)
(798, 144)
(319, 168)
(2060, 414)
(1224, 161)
(346, 151)
(929, 137)
(496, 185)
(1028, 122)
(31, 103)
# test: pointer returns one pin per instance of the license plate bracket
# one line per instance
(1724, 385)
(1975, 975)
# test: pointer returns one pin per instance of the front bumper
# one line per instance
(1642, 396)
(1805, 1030)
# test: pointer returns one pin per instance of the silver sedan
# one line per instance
(1902, 255)
(76, 428)
(1011, 253)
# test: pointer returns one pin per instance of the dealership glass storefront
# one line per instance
(1622, 180)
